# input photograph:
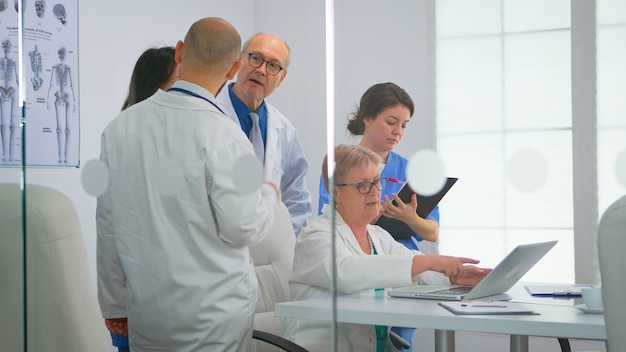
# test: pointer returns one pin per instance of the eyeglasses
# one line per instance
(271, 68)
(366, 187)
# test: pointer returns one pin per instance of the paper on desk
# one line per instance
(486, 308)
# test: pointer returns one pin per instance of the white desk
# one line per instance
(557, 318)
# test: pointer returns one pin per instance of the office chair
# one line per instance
(273, 259)
(611, 247)
(62, 308)
(276, 341)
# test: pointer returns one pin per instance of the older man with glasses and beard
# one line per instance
(265, 59)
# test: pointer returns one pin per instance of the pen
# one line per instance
(393, 180)
(481, 306)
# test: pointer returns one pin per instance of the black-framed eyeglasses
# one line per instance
(271, 68)
(366, 187)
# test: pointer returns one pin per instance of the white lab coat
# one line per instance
(356, 272)
(173, 238)
(285, 164)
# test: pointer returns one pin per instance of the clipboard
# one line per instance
(556, 290)
(425, 205)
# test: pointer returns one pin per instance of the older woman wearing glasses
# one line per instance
(367, 256)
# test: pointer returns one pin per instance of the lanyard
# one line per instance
(381, 330)
(196, 95)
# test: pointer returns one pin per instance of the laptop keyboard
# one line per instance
(456, 290)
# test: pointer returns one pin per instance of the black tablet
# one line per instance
(425, 204)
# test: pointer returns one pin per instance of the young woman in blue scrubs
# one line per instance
(381, 118)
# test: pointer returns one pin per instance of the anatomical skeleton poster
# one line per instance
(49, 66)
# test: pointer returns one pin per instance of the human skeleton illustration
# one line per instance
(35, 65)
(8, 98)
(61, 78)
(40, 8)
(59, 12)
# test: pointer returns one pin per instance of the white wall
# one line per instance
(386, 43)
(302, 95)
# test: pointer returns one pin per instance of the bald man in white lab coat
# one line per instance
(174, 269)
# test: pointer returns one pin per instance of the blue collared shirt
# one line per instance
(243, 111)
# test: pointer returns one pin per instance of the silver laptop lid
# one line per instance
(510, 270)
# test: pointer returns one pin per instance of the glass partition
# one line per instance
(12, 253)
(13, 245)
(504, 94)
(611, 62)
(100, 83)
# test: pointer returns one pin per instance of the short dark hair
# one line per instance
(377, 98)
(153, 69)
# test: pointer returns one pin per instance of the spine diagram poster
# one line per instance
(50, 83)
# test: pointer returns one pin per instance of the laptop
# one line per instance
(508, 272)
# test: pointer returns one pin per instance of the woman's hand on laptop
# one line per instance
(470, 275)
(459, 270)
(448, 265)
